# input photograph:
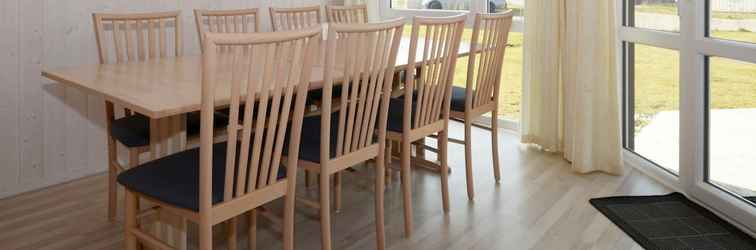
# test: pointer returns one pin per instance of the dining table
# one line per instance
(167, 89)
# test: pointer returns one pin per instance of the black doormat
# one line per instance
(671, 222)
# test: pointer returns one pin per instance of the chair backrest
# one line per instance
(347, 14)
(367, 58)
(269, 73)
(226, 21)
(294, 18)
(130, 43)
(440, 45)
(489, 41)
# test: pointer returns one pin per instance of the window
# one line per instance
(731, 20)
(431, 4)
(690, 98)
(652, 104)
(732, 117)
(653, 14)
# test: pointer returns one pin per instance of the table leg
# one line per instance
(168, 136)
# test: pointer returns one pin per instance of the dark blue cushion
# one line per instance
(458, 98)
(132, 131)
(174, 179)
(194, 122)
(309, 142)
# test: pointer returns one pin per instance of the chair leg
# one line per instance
(337, 192)
(420, 149)
(288, 221)
(495, 144)
(468, 160)
(252, 242)
(443, 145)
(231, 230)
(325, 210)
(133, 157)
(308, 180)
(387, 155)
(205, 229)
(112, 174)
(407, 187)
(380, 174)
(130, 221)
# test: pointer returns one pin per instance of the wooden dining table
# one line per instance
(166, 89)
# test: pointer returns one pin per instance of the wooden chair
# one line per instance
(481, 94)
(294, 18)
(354, 131)
(423, 110)
(218, 182)
(347, 14)
(226, 21)
(131, 44)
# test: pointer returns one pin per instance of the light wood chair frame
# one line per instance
(128, 30)
(484, 67)
(226, 21)
(367, 60)
(347, 14)
(283, 74)
(431, 112)
(294, 18)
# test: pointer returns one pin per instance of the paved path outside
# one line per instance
(732, 149)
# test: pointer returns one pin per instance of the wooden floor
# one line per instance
(539, 204)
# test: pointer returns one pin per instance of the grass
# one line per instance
(671, 9)
(733, 83)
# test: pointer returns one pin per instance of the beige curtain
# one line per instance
(570, 93)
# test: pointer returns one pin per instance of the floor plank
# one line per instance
(539, 204)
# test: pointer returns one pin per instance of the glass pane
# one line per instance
(732, 119)
(655, 111)
(431, 4)
(497, 6)
(733, 20)
(654, 14)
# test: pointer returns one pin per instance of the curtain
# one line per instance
(570, 92)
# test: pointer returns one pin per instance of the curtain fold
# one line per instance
(570, 98)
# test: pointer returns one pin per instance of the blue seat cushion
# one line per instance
(174, 179)
(132, 131)
(194, 122)
(458, 98)
(309, 142)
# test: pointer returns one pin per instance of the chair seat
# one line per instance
(309, 142)
(134, 131)
(174, 179)
(458, 98)
(194, 122)
(396, 107)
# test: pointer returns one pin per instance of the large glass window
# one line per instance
(732, 20)
(732, 120)
(431, 4)
(653, 14)
(652, 104)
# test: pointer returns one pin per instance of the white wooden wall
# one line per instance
(50, 134)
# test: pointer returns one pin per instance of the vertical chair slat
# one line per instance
(294, 18)
(117, 41)
(232, 128)
(129, 42)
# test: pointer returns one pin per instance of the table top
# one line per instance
(170, 86)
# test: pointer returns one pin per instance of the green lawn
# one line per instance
(657, 78)
(671, 9)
